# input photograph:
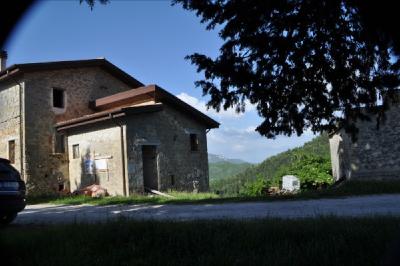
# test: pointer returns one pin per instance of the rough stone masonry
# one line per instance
(68, 124)
(374, 155)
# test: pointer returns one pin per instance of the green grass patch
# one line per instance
(321, 241)
(349, 188)
(179, 197)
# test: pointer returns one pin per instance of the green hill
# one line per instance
(278, 164)
(213, 158)
(221, 167)
(221, 170)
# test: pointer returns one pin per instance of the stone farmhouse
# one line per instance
(68, 124)
(374, 154)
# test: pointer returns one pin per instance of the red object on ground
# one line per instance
(95, 191)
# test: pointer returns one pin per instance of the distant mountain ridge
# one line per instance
(221, 167)
(214, 158)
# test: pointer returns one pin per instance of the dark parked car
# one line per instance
(12, 192)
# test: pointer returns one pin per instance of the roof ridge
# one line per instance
(54, 65)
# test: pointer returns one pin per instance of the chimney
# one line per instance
(3, 60)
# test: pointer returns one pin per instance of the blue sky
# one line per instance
(149, 40)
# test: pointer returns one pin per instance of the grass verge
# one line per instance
(179, 197)
(321, 241)
(349, 188)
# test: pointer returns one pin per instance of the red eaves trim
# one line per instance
(125, 97)
(157, 94)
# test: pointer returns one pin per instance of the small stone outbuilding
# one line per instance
(375, 154)
(68, 124)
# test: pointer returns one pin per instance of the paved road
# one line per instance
(352, 206)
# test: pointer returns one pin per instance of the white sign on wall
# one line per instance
(101, 164)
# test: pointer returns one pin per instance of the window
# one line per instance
(194, 142)
(58, 98)
(59, 146)
(75, 151)
(11, 151)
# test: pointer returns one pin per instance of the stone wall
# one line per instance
(98, 143)
(179, 168)
(374, 155)
(169, 130)
(10, 119)
(43, 167)
(340, 145)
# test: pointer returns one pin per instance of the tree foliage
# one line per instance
(313, 171)
(256, 187)
(91, 3)
(310, 162)
(304, 63)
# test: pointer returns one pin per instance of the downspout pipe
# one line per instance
(122, 152)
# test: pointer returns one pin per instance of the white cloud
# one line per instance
(201, 106)
(251, 129)
(237, 138)
(250, 146)
(238, 148)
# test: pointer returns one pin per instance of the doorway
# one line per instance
(150, 173)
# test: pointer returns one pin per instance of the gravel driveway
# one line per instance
(351, 206)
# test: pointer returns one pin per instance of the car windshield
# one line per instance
(7, 171)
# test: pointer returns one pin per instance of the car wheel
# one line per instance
(7, 218)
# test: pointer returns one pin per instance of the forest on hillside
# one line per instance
(310, 162)
(220, 170)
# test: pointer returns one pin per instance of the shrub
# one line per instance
(257, 187)
(313, 171)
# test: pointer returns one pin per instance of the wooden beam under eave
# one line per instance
(127, 98)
